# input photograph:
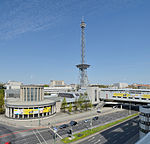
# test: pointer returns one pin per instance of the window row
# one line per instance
(130, 97)
(144, 131)
(145, 123)
(32, 94)
(145, 114)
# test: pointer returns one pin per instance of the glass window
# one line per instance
(95, 95)
(28, 94)
(32, 94)
(41, 92)
(35, 94)
(39, 95)
(24, 94)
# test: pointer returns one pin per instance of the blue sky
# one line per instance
(40, 40)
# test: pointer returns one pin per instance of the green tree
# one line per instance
(77, 87)
(80, 102)
(86, 105)
(85, 94)
(1, 101)
(64, 104)
(70, 108)
(76, 105)
(90, 105)
(82, 107)
(46, 85)
(86, 100)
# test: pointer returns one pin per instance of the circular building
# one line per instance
(31, 104)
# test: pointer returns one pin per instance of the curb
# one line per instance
(52, 122)
(80, 140)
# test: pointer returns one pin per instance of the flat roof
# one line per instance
(16, 102)
(125, 89)
(31, 86)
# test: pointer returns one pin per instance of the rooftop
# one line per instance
(17, 102)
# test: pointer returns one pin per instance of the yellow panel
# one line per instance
(28, 111)
(46, 109)
(145, 96)
(121, 94)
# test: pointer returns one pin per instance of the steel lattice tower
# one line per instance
(83, 67)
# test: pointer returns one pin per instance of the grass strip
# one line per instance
(88, 132)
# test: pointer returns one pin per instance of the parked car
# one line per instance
(95, 118)
(63, 126)
(73, 123)
(55, 128)
(87, 120)
(98, 111)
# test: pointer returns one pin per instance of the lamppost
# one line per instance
(39, 122)
(129, 108)
(70, 132)
(55, 131)
(91, 124)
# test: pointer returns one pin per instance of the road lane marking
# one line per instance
(115, 134)
(54, 132)
(114, 141)
(18, 132)
(41, 136)
(91, 138)
(37, 137)
(23, 138)
(97, 141)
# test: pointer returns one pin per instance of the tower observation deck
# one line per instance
(83, 66)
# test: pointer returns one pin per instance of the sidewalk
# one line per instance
(57, 119)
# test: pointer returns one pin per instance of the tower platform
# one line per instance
(82, 66)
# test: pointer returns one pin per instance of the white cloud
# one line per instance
(20, 16)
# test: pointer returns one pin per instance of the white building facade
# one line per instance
(13, 85)
(120, 85)
(93, 94)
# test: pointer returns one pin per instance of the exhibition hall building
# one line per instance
(30, 104)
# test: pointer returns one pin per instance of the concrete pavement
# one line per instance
(57, 119)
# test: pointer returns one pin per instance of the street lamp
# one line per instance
(55, 131)
(39, 122)
(91, 124)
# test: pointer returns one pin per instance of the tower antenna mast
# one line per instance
(83, 66)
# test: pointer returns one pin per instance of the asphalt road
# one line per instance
(5, 131)
(35, 136)
(101, 120)
(125, 133)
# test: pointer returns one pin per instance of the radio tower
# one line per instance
(83, 67)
